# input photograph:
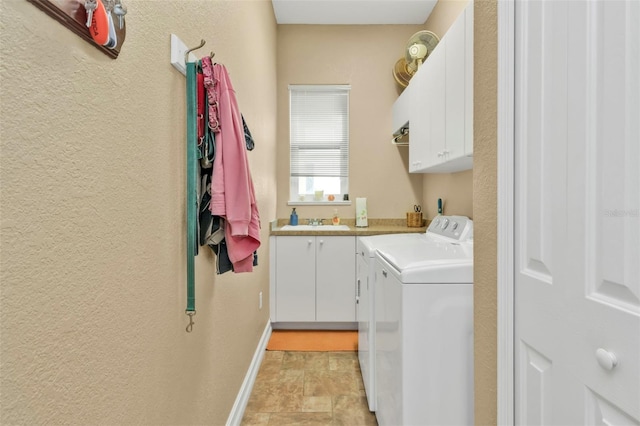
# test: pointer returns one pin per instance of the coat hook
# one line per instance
(186, 54)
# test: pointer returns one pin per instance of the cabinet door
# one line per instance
(335, 278)
(430, 113)
(427, 137)
(419, 116)
(437, 92)
(455, 90)
(295, 279)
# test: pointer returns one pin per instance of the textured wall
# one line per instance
(484, 210)
(363, 56)
(92, 219)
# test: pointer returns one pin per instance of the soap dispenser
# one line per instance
(293, 219)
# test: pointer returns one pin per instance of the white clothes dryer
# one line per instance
(424, 327)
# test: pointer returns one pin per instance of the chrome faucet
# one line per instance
(315, 222)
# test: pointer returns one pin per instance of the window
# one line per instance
(319, 143)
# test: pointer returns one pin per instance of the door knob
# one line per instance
(606, 359)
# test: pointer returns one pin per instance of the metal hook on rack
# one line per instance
(186, 54)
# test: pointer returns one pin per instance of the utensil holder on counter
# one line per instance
(414, 219)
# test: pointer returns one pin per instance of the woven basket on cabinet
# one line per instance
(414, 219)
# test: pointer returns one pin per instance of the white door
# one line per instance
(577, 212)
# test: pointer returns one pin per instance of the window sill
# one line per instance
(318, 203)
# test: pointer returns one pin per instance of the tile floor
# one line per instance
(308, 388)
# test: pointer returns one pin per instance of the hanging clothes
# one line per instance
(248, 139)
(212, 96)
(232, 191)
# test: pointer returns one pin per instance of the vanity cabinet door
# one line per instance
(335, 279)
(295, 278)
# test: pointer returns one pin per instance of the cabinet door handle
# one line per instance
(606, 359)
(309, 242)
(321, 242)
(384, 273)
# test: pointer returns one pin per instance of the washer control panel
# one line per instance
(459, 228)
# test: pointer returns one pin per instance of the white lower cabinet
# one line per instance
(295, 285)
(314, 279)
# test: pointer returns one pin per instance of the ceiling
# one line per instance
(352, 12)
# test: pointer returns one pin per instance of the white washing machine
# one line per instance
(424, 327)
(365, 303)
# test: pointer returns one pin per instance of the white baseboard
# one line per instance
(237, 411)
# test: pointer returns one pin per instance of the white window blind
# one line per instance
(319, 141)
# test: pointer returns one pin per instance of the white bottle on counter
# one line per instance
(361, 212)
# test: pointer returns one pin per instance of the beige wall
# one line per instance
(484, 210)
(362, 56)
(92, 219)
(455, 189)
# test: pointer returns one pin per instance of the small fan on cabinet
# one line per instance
(418, 48)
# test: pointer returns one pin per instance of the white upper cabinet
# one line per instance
(427, 117)
(440, 99)
(455, 91)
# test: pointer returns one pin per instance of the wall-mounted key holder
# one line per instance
(100, 22)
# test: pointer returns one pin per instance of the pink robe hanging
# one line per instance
(232, 192)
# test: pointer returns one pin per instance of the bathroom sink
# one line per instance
(315, 228)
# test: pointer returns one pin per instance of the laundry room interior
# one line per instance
(94, 220)
(103, 242)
